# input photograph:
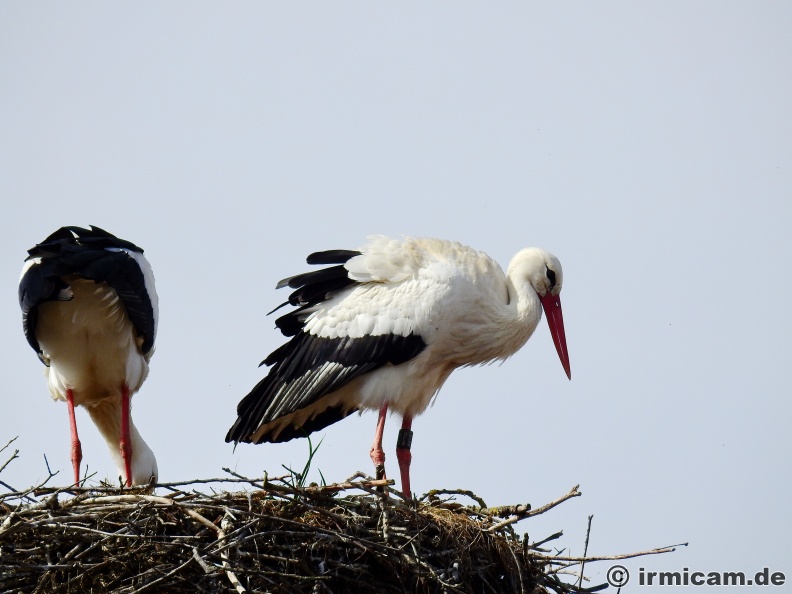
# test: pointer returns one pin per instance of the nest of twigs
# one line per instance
(276, 536)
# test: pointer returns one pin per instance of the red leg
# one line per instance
(126, 443)
(404, 456)
(76, 448)
(377, 453)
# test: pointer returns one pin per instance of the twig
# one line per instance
(172, 572)
(573, 492)
(576, 560)
(13, 457)
(536, 545)
(226, 525)
(585, 551)
(10, 441)
(435, 492)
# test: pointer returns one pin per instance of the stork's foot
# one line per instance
(379, 469)
(76, 459)
(378, 458)
(376, 452)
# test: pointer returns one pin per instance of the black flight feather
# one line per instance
(331, 257)
(313, 287)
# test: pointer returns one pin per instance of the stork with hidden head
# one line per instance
(382, 328)
(89, 310)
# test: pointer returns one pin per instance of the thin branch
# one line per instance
(13, 457)
(573, 492)
(585, 550)
(576, 560)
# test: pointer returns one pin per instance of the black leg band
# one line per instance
(404, 440)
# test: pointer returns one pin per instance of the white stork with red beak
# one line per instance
(384, 327)
(89, 309)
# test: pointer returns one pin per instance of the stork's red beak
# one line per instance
(552, 306)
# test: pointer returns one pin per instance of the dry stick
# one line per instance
(575, 560)
(416, 558)
(336, 487)
(237, 479)
(73, 490)
(356, 541)
(76, 554)
(317, 510)
(221, 535)
(268, 485)
(535, 546)
(225, 524)
(519, 570)
(6, 525)
(16, 494)
(540, 510)
(77, 528)
(49, 571)
(251, 482)
(13, 457)
(504, 511)
(163, 577)
(384, 518)
(435, 492)
(99, 543)
(10, 441)
(585, 551)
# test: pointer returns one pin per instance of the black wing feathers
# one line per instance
(84, 253)
(93, 237)
(331, 257)
(37, 286)
(308, 367)
(314, 287)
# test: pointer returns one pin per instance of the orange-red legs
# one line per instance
(403, 455)
(126, 442)
(76, 448)
(403, 443)
(377, 453)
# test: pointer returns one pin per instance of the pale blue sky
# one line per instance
(648, 145)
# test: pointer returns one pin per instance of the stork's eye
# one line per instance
(551, 277)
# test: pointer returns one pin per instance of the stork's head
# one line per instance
(540, 268)
(144, 466)
(542, 271)
(143, 463)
